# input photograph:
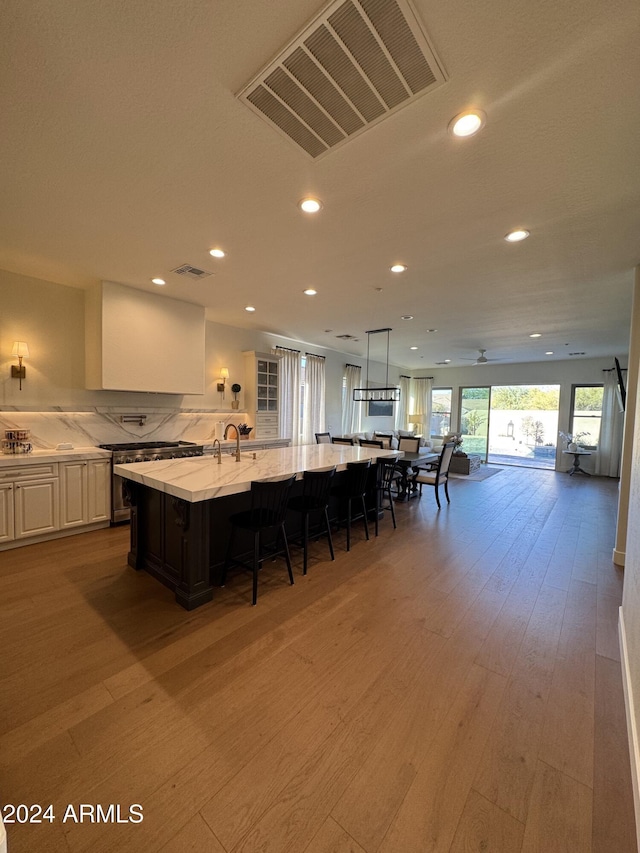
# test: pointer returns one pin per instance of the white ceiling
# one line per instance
(126, 153)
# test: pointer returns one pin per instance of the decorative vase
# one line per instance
(235, 404)
(572, 446)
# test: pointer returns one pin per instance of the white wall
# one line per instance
(628, 547)
(51, 318)
(562, 372)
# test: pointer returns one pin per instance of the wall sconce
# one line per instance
(224, 375)
(18, 371)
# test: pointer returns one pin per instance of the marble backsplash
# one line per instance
(92, 427)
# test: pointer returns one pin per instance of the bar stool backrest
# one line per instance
(316, 486)
(356, 478)
(387, 471)
(269, 501)
(336, 440)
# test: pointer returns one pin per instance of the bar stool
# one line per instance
(353, 488)
(268, 509)
(314, 499)
(388, 476)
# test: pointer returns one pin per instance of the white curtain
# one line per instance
(421, 393)
(351, 410)
(402, 408)
(289, 388)
(607, 462)
(313, 411)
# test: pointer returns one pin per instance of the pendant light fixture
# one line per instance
(388, 394)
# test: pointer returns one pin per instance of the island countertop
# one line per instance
(201, 478)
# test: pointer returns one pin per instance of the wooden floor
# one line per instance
(453, 685)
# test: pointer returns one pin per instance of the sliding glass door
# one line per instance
(511, 424)
(524, 425)
(474, 420)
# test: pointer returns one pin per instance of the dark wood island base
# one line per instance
(180, 511)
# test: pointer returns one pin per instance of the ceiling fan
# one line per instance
(482, 359)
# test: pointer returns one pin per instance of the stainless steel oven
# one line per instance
(142, 451)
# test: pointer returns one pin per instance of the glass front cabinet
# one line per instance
(261, 393)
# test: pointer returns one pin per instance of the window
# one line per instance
(586, 415)
(441, 411)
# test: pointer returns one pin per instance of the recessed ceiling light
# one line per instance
(158, 281)
(413, 347)
(447, 361)
(550, 352)
(407, 317)
(309, 292)
(398, 268)
(467, 123)
(217, 253)
(249, 308)
(516, 236)
(310, 205)
(535, 335)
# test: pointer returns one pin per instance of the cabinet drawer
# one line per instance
(28, 472)
(268, 432)
(266, 420)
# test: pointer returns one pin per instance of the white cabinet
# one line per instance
(74, 502)
(41, 501)
(85, 492)
(29, 504)
(99, 490)
(6, 512)
(36, 507)
(261, 393)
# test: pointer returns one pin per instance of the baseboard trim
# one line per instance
(632, 731)
(618, 557)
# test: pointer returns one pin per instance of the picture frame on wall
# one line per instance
(380, 409)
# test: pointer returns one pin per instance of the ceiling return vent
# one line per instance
(188, 271)
(354, 65)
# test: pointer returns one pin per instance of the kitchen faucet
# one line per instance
(226, 430)
(218, 455)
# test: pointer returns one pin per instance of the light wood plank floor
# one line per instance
(453, 685)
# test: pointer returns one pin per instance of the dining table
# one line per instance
(408, 464)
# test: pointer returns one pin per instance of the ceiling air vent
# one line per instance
(346, 337)
(354, 65)
(191, 272)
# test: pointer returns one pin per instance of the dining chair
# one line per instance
(349, 441)
(439, 476)
(369, 442)
(269, 499)
(385, 438)
(352, 488)
(314, 500)
(323, 438)
(412, 445)
(387, 476)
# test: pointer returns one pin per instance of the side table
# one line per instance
(576, 469)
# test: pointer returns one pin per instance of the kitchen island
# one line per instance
(180, 508)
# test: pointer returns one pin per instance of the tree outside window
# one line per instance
(586, 414)
(441, 411)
